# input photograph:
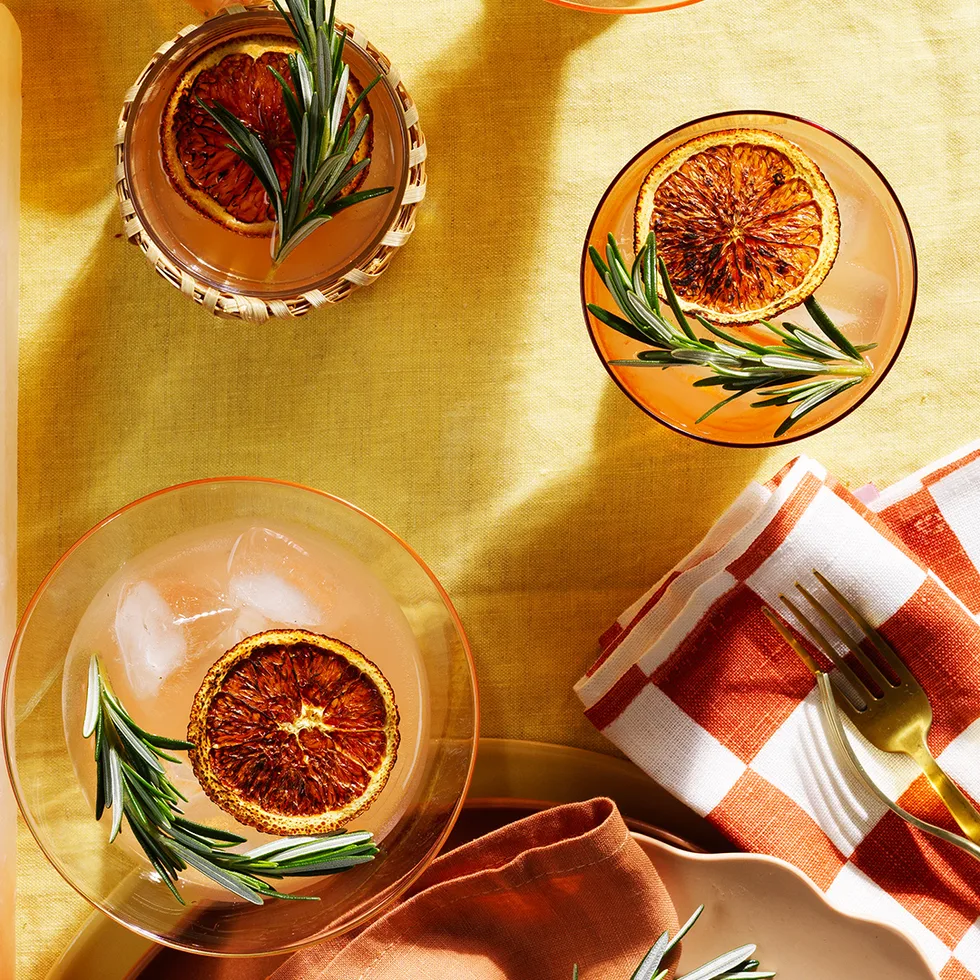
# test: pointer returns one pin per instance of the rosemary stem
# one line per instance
(862, 370)
(132, 783)
(315, 97)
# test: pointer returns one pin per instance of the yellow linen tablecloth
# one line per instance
(459, 398)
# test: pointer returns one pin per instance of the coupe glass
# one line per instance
(869, 292)
(117, 878)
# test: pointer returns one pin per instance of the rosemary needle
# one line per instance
(736, 964)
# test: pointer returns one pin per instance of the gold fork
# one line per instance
(896, 720)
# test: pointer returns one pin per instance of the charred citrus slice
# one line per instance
(293, 732)
(745, 221)
(210, 176)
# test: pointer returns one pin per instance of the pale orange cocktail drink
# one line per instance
(163, 620)
(869, 292)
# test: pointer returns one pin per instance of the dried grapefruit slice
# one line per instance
(745, 221)
(293, 732)
(211, 177)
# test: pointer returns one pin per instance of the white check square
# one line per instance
(799, 761)
(833, 538)
(968, 949)
(697, 769)
(958, 498)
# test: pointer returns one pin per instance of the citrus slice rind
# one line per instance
(293, 732)
(206, 173)
(745, 221)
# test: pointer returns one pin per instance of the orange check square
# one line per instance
(955, 970)
(758, 817)
(918, 521)
(734, 675)
(940, 643)
(937, 883)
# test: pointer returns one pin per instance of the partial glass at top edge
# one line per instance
(871, 305)
(242, 264)
(618, 7)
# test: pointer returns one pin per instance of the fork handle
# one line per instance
(962, 810)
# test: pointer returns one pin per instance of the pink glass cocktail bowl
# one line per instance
(118, 880)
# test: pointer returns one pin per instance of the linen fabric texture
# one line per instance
(698, 688)
(459, 399)
(564, 886)
(568, 885)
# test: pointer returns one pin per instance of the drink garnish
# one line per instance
(206, 171)
(804, 370)
(736, 964)
(293, 732)
(132, 782)
(328, 128)
(746, 223)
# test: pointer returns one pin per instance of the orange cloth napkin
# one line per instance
(568, 885)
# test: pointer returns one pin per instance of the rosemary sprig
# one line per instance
(803, 370)
(737, 964)
(323, 126)
(132, 782)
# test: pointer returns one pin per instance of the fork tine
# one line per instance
(891, 657)
(874, 671)
(786, 632)
(817, 637)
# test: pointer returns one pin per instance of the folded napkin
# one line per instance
(697, 687)
(564, 886)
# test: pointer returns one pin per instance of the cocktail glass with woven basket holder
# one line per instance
(230, 274)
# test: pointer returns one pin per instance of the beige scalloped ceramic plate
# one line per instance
(748, 898)
(751, 898)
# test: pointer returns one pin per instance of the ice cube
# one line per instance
(261, 549)
(152, 642)
(272, 597)
(276, 578)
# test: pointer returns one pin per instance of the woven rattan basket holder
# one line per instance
(254, 308)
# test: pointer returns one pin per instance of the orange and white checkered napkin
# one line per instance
(696, 686)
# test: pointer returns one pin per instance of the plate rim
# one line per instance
(91, 935)
(768, 860)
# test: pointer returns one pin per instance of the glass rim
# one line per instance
(592, 9)
(8, 750)
(156, 68)
(880, 374)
